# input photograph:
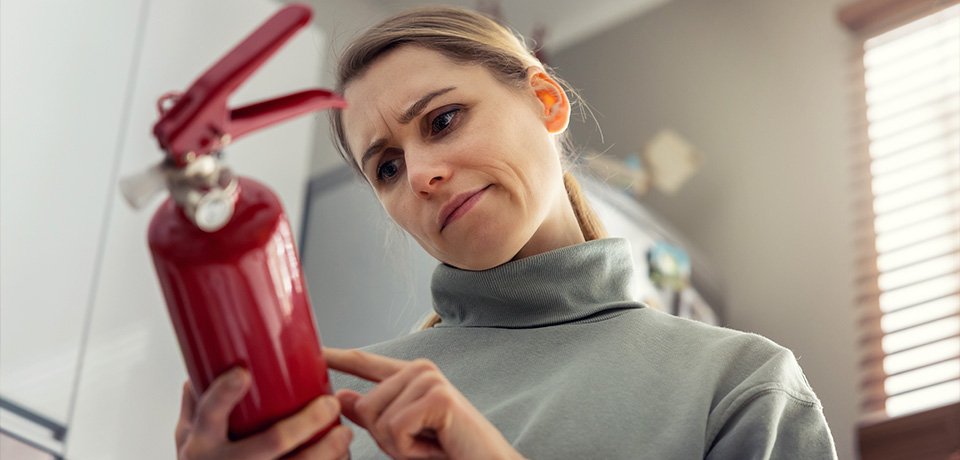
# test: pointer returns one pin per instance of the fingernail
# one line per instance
(346, 434)
(330, 403)
(237, 377)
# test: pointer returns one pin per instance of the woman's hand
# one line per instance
(414, 411)
(201, 432)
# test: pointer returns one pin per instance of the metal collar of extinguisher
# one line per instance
(206, 190)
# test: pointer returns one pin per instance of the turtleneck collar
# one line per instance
(587, 281)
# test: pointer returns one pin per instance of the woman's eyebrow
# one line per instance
(406, 118)
(372, 151)
(421, 104)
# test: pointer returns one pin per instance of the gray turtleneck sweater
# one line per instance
(555, 352)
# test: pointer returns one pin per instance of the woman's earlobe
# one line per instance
(558, 117)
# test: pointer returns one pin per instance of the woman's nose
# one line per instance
(426, 173)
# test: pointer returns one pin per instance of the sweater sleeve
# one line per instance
(772, 414)
(774, 424)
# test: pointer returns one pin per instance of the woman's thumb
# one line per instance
(348, 400)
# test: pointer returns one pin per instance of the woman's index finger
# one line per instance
(368, 366)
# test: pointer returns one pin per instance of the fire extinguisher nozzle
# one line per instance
(138, 189)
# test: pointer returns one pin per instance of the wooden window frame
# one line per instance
(867, 18)
(934, 433)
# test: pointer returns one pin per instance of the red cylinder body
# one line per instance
(237, 296)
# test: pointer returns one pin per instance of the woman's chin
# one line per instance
(477, 257)
(477, 262)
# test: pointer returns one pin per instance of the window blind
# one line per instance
(908, 172)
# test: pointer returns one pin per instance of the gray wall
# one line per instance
(368, 281)
(760, 87)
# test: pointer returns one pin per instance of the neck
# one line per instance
(559, 230)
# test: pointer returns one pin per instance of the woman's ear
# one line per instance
(554, 103)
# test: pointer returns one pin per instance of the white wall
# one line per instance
(58, 143)
(80, 82)
(760, 87)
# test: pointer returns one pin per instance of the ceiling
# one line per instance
(567, 21)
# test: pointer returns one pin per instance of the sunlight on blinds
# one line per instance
(912, 77)
(921, 356)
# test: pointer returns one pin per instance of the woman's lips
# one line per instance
(458, 206)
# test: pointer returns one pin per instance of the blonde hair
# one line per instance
(465, 37)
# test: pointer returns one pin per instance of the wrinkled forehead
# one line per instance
(391, 84)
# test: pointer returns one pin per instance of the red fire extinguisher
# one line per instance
(222, 246)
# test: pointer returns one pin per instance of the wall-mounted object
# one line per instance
(669, 266)
(667, 161)
(671, 161)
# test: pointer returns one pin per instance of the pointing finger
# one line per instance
(369, 366)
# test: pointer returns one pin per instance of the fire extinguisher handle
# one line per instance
(265, 113)
(200, 123)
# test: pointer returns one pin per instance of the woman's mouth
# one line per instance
(458, 206)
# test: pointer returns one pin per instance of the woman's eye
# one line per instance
(443, 121)
(387, 170)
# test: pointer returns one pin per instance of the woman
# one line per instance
(538, 349)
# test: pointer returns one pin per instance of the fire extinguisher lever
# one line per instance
(265, 113)
(200, 121)
(197, 123)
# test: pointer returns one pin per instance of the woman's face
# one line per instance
(464, 163)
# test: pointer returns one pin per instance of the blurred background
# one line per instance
(784, 168)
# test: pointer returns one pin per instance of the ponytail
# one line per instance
(432, 320)
(590, 224)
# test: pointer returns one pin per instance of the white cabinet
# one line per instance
(65, 73)
(80, 82)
